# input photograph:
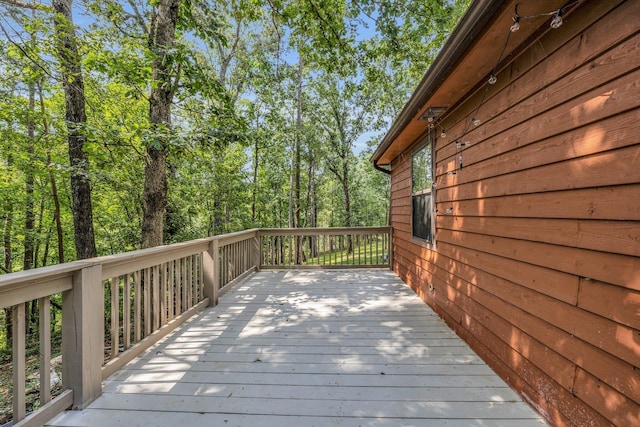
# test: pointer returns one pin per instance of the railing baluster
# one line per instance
(115, 314)
(223, 266)
(290, 257)
(194, 278)
(137, 296)
(242, 249)
(189, 283)
(184, 283)
(233, 262)
(44, 312)
(147, 301)
(155, 293)
(163, 293)
(171, 291)
(178, 288)
(126, 311)
(200, 288)
(334, 244)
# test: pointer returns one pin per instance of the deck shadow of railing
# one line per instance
(115, 307)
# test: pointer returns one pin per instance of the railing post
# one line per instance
(257, 250)
(83, 336)
(390, 256)
(210, 270)
(19, 362)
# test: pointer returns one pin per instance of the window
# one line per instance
(422, 215)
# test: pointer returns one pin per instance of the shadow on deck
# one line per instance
(309, 348)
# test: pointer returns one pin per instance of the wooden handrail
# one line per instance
(322, 231)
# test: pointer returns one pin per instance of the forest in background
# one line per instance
(128, 124)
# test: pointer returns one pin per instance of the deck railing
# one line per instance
(115, 307)
(325, 247)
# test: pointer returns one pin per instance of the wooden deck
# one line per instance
(309, 348)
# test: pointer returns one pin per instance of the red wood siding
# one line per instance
(538, 264)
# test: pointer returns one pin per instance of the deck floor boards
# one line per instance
(309, 348)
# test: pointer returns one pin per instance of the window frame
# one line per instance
(426, 143)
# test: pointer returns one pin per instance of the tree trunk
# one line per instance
(29, 214)
(161, 40)
(254, 189)
(52, 182)
(347, 202)
(76, 118)
(313, 210)
(8, 229)
(218, 221)
(56, 212)
(297, 166)
(8, 261)
(38, 240)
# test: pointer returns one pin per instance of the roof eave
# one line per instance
(470, 26)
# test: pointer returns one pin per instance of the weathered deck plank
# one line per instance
(347, 348)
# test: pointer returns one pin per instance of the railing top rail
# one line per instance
(127, 262)
(32, 276)
(321, 231)
(227, 239)
(25, 286)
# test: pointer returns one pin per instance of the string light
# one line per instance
(516, 22)
(556, 22)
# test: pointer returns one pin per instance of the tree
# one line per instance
(173, 86)
(163, 86)
(76, 119)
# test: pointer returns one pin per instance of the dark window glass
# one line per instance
(422, 194)
(422, 213)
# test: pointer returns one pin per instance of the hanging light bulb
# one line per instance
(476, 122)
(516, 24)
(492, 80)
(556, 22)
(443, 134)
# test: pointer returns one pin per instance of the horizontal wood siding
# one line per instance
(537, 256)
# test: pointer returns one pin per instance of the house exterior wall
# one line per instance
(537, 266)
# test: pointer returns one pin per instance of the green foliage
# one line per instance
(231, 145)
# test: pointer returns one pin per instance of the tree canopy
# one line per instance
(166, 120)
